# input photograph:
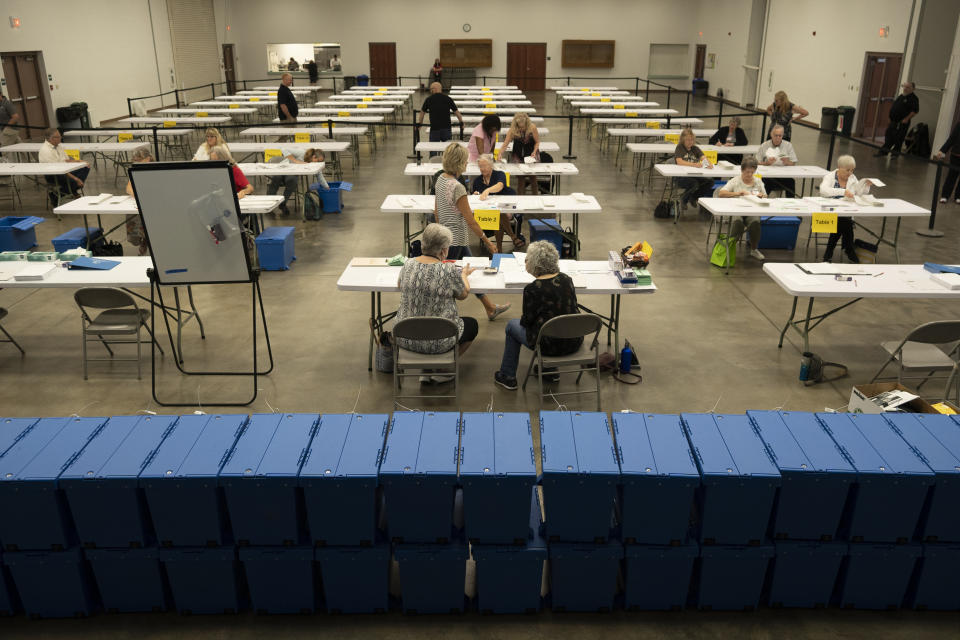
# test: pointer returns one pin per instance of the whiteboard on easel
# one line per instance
(191, 218)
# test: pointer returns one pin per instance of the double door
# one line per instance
(26, 90)
(527, 65)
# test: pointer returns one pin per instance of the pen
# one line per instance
(878, 274)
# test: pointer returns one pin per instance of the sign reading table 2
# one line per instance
(488, 219)
(822, 222)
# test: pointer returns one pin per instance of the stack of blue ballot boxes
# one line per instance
(189, 512)
(339, 479)
(815, 482)
(659, 480)
(267, 517)
(501, 509)
(419, 479)
(580, 478)
(735, 501)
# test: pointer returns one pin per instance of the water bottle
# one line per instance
(626, 359)
(805, 366)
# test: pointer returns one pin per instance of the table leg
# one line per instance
(373, 324)
(615, 321)
(576, 235)
(806, 327)
(789, 323)
(406, 233)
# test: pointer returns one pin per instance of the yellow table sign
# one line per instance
(488, 219)
(233, 105)
(489, 111)
(672, 137)
(271, 153)
(485, 98)
(343, 114)
(596, 94)
(301, 137)
(169, 124)
(368, 99)
(824, 223)
(604, 99)
(584, 89)
(72, 153)
(254, 99)
(507, 174)
(124, 137)
(273, 93)
(361, 105)
(653, 124)
(711, 155)
(202, 114)
(485, 89)
(619, 106)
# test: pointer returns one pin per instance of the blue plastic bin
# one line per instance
(658, 576)
(363, 80)
(497, 472)
(203, 580)
(779, 232)
(275, 248)
(815, 477)
(804, 573)
(419, 475)
(102, 486)
(937, 582)
(731, 577)
(281, 580)
(339, 478)
(259, 479)
(546, 230)
(8, 604)
(52, 584)
(432, 576)
(11, 430)
(583, 575)
(17, 233)
(355, 579)
(658, 475)
(739, 481)
(878, 575)
(580, 475)
(332, 199)
(129, 580)
(510, 577)
(75, 238)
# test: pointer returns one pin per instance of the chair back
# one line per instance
(426, 328)
(103, 298)
(940, 332)
(571, 325)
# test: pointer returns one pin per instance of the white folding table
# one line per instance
(333, 147)
(799, 171)
(555, 170)
(650, 150)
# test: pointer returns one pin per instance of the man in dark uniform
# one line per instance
(439, 105)
(286, 103)
(313, 71)
(904, 108)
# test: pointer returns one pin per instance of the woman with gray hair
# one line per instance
(431, 287)
(746, 184)
(134, 225)
(551, 294)
(730, 136)
(841, 183)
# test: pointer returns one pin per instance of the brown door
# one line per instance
(701, 60)
(228, 69)
(383, 63)
(25, 89)
(527, 65)
(881, 83)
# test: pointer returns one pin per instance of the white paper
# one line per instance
(388, 279)
(948, 280)
(763, 202)
(477, 262)
(103, 197)
(877, 182)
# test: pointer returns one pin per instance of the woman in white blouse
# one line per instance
(213, 139)
(746, 184)
(841, 183)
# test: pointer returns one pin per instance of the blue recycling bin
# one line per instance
(805, 573)
(259, 479)
(432, 576)
(497, 472)
(658, 576)
(363, 80)
(731, 576)
(280, 579)
(129, 580)
(583, 575)
(878, 575)
(52, 584)
(339, 478)
(17, 233)
(203, 580)
(658, 475)
(355, 579)
(937, 581)
(580, 475)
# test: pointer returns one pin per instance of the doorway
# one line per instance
(879, 87)
(527, 65)
(383, 63)
(700, 61)
(27, 91)
(229, 72)
(754, 55)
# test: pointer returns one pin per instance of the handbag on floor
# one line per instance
(725, 248)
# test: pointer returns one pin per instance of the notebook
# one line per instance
(97, 264)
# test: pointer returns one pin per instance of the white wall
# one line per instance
(725, 25)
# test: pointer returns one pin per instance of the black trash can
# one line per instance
(700, 87)
(828, 118)
(845, 114)
(84, 113)
(68, 117)
(349, 81)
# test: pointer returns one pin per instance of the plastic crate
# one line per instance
(878, 575)
(805, 573)
(332, 199)
(8, 603)
(339, 477)
(432, 576)
(731, 577)
(580, 475)
(779, 232)
(129, 580)
(937, 581)
(658, 576)
(280, 580)
(355, 579)
(11, 430)
(52, 584)
(203, 580)
(17, 233)
(275, 248)
(815, 476)
(583, 576)
(546, 230)
(497, 472)
(259, 479)
(658, 475)
(76, 238)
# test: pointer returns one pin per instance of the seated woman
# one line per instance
(688, 154)
(730, 136)
(551, 294)
(746, 184)
(294, 155)
(244, 188)
(490, 182)
(431, 287)
(483, 138)
(213, 139)
(134, 225)
(526, 142)
(841, 183)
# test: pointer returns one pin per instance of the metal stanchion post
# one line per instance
(930, 232)
(669, 93)
(764, 125)
(416, 135)
(720, 116)
(686, 110)
(156, 143)
(213, 91)
(570, 155)
(129, 108)
(833, 141)
(176, 94)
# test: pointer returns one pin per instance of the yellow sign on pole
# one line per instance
(488, 219)
(72, 153)
(124, 137)
(824, 222)
(301, 137)
(271, 153)
(711, 155)
(672, 137)
(653, 124)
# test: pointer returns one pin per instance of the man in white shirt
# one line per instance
(294, 155)
(777, 152)
(52, 151)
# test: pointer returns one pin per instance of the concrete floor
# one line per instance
(706, 341)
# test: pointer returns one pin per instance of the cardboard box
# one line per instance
(861, 394)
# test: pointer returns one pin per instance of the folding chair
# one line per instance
(574, 325)
(121, 317)
(404, 360)
(919, 351)
(3, 314)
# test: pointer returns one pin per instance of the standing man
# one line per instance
(51, 151)
(287, 108)
(439, 105)
(777, 152)
(312, 71)
(904, 108)
(8, 116)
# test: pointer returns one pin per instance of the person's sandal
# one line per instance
(498, 309)
(520, 243)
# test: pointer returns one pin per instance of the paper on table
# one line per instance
(579, 281)
(477, 262)
(763, 202)
(103, 197)
(875, 181)
(520, 256)
(568, 267)
(532, 203)
(514, 278)
(368, 262)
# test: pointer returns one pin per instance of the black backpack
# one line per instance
(917, 141)
(663, 210)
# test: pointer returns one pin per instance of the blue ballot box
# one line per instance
(804, 573)
(432, 576)
(129, 580)
(580, 475)
(28, 483)
(878, 575)
(102, 486)
(8, 604)
(259, 479)
(497, 472)
(936, 439)
(355, 579)
(659, 478)
(203, 580)
(180, 481)
(583, 575)
(52, 584)
(937, 581)
(419, 475)
(892, 482)
(509, 576)
(739, 481)
(11, 430)
(731, 576)
(815, 477)
(339, 478)
(280, 579)
(658, 576)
